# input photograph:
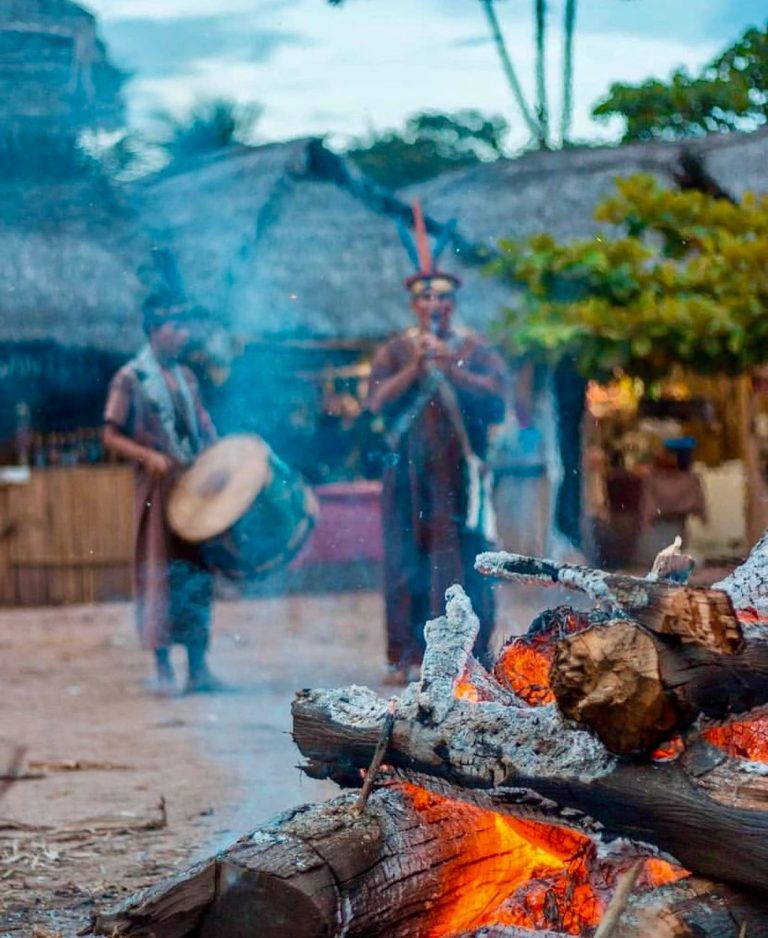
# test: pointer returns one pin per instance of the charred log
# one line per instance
(415, 863)
(494, 745)
(634, 688)
(669, 653)
(665, 805)
(692, 614)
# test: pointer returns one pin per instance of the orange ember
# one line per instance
(524, 669)
(658, 872)
(744, 739)
(750, 616)
(466, 690)
(507, 870)
(669, 751)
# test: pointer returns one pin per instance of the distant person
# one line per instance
(154, 416)
(439, 388)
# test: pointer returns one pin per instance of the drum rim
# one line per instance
(190, 523)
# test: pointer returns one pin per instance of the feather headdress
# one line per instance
(424, 257)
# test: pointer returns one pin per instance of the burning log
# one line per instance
(698, 808)
(416, 863)
(490, 810)
(667, 654)
(424, 861)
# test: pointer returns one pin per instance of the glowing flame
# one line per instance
(743, 739)
(500, 870)
(669, 750)
(658, 872)
(523, 667)
(466, 690)
(506, 870)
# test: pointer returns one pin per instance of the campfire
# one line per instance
(612, 760)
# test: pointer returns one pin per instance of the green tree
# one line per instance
(209, 125)
(429, 144)
(731, 93)
(686, 283)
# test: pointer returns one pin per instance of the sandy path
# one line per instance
(72, 689)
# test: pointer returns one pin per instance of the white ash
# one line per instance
(499, 743)
(747, 585)
(267, 837)
(355, 705)
(749, 767)
(449, 641)
(595, 583)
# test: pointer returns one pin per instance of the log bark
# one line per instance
(667, 805)
(417, 864)
(691, 614)
(635, 689)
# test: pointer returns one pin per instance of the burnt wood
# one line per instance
(635, 688)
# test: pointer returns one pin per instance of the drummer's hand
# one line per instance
(158, 465)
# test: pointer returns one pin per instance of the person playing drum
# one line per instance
(439, 388)
(154, 416)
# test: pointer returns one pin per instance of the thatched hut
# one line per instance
(288, 241)
(68, 294)
(67, 281)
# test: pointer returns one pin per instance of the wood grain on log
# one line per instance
(415, 864)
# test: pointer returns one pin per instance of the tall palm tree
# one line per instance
(509, 69)
(567, 112)
(542, 107)
(537, 120)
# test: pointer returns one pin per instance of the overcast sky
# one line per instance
(319, 69)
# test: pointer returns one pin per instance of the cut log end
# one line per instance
(607, 678)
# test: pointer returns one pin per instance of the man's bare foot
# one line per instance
(207, 683)
(164, 686)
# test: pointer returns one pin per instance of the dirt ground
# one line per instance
(73, 696)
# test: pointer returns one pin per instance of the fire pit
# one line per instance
(511, 803)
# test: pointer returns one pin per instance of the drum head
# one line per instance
(219, 488)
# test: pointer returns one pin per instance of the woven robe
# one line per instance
(427, 544)
(173, 589)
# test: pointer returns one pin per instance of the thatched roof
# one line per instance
(557, 191)
(68, 265)
(286, 240)
(54, 71)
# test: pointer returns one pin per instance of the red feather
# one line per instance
(426, 264)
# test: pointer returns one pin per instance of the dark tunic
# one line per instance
(173, 588)
(427, 546)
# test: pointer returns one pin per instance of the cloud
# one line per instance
(471, 41)
(113, 10)
(159, 47)
(371, 63)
